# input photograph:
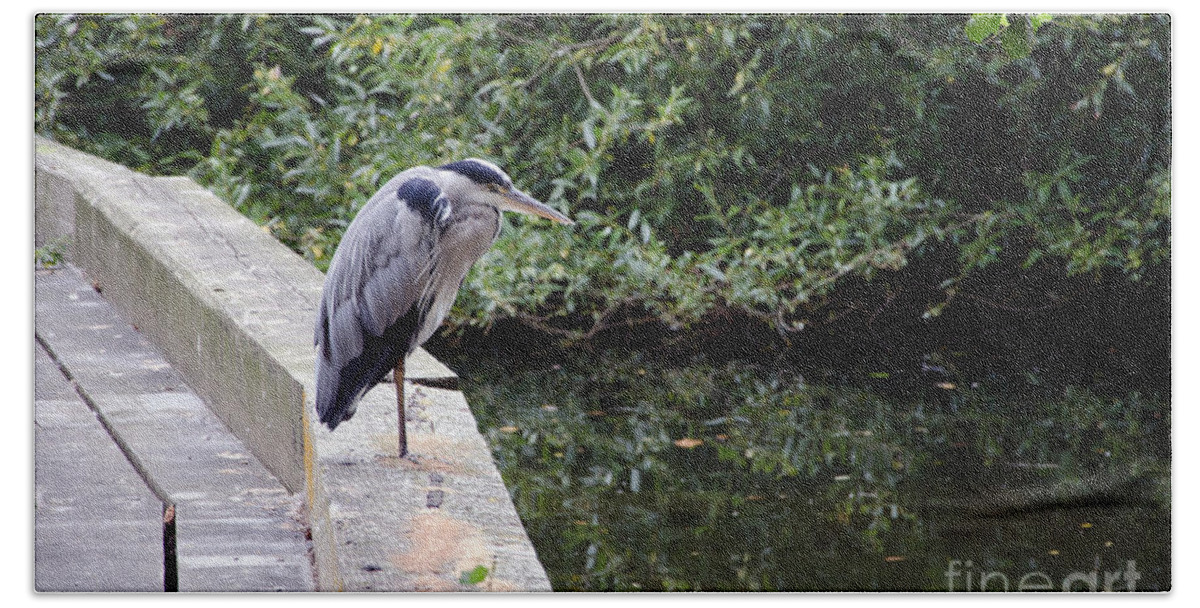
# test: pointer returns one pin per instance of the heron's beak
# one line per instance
(515, 200)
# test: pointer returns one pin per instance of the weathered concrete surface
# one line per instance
(54, 215)
(237, 527)
(233, 310)
(97, 527)
(444, 505)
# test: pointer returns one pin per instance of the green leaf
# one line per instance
(712, 271)
(1015, 39)
(474, 577)
(1039, 20)
(982, 25)
(589, 134)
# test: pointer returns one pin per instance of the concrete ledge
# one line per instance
(446, 507)
(233, 309)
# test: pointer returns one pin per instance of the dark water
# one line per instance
(635, 474)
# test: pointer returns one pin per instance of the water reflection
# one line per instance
(635, 475)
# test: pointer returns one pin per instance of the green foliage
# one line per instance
(1015, 36)
(50, 254)
(982, 25)
(714, 163)
(474, 576)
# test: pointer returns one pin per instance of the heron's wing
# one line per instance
(370, 310)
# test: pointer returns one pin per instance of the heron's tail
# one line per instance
(339, 389)
(332, 405)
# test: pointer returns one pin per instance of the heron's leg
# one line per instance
(399, 375)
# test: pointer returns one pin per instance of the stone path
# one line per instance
(120, 442)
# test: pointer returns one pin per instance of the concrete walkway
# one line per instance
(97, 526)
(121, 445)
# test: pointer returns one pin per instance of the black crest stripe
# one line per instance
(475, 171)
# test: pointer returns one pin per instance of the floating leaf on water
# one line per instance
(949, 386)
(508, 429)
(688, 442)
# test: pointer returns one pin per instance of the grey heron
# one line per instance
(398, 270)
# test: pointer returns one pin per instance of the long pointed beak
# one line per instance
(515, 200)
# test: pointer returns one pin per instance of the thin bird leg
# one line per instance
(399, 376)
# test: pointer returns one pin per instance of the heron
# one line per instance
(397, 271)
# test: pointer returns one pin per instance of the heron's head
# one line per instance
(485, 183)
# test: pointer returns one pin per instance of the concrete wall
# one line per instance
(233, 310)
